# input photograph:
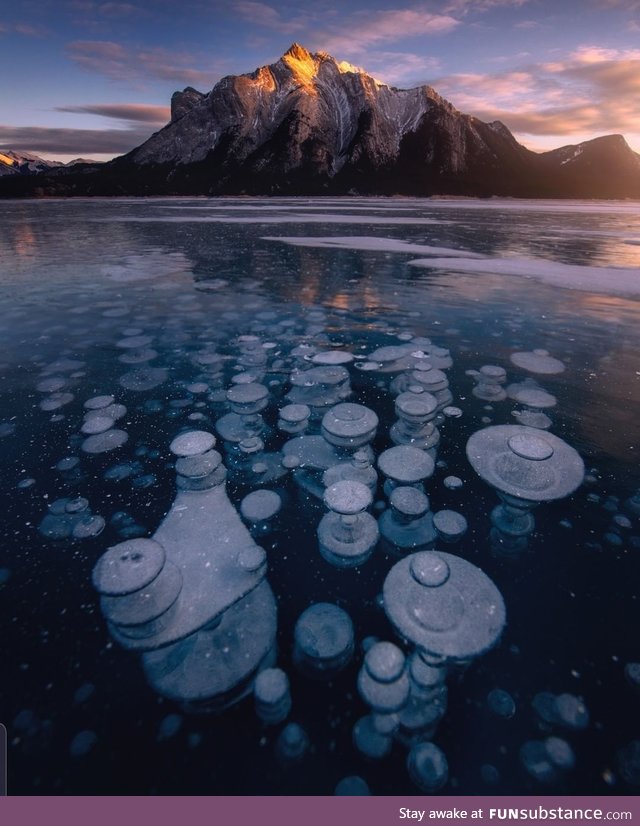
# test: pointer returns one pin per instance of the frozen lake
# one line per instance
(126, 324)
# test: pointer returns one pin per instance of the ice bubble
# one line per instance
(146, 378)
(271, 695)
(538, 361)
(23, 484)
(51, 385)
(450, 525)
(83, 743)
(197, 387)
(138, 356)
(292, 743)
(98, 402)
(537, 762)
(7, 429)
(501, 703)
(84, 693)
(192, 443)
(119, 472)
(369, 741)
(628, 759)
(544, 706)
(560, 752)
(54, 526)
(352, 786)
(332, 357)
(452, 412)
(260, 505)
(169, 727)
(383, 682)
(68, 463)
(134, 342)
(632, 673)
(406, 465)
(96, 424)
(104, 442)
(428, 767)
(88, 527)
(323, 637)
(571, 712)
(55, 401)
(5, 576)
(489, 774)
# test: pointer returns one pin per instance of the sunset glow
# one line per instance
(94, 79)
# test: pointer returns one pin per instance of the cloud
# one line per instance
(595, 90)
(261, 14)
(24, 29)
(397, 68)
(80, 142)
(123, 63)
(367, 30)
(131, 112)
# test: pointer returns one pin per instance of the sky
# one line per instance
(93, 79)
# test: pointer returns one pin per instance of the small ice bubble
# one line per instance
(96, 424)
(68, 463)
(83, 743)
(98, 402)
(501, 703)
(88, 527)
(560, 752)
(628, 759)
(632, 673)
(369, 741)
(292, 743)
(428, 767)
(104, 442)
(571, 711)
(536, 761)
(84, 693)
(169, 727)
(453, 482)
(352, 786)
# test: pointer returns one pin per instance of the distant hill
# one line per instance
(310, 125)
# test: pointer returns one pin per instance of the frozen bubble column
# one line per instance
(244, 421)
(526, 466)
(350, 426)
(319, 388)
(416, 412)
(489, 380)
(405, 465)
(452, 613)
(407, 525)
(347, 535)
(193, 599)
(534, 400)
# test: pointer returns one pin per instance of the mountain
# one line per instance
(310, 125)
(23, 163)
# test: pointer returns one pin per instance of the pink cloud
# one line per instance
(119, 63)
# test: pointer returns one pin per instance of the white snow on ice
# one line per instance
(367, 242)
(622, 281)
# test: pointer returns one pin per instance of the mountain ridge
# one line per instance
(309, 125)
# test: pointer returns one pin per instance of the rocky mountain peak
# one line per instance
(308, 124)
